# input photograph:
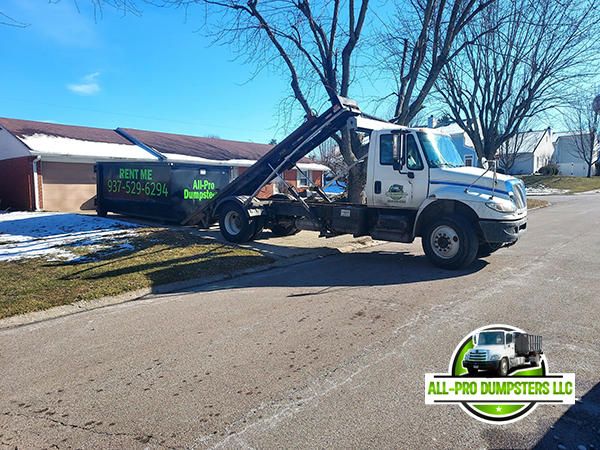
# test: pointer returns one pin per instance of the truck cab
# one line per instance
(459, 212)
(500, 350)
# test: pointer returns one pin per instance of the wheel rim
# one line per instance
(233, 223)
(445, 242)
(504, 367)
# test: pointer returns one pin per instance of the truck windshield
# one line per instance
(440, 150)
(491, 338)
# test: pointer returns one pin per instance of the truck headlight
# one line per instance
(494, 357)
(503, 207)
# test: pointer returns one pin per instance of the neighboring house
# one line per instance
(46, 166)
(566, 156)
(534, 150)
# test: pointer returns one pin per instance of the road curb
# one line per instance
(139, 294)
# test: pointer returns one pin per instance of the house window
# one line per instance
(302, 181)
(469, 160)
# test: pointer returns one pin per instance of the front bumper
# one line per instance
(485, 365)
(496, 232)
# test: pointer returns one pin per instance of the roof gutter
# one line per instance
(140, 144)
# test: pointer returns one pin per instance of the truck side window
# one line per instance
(413, 159)
(386, 150)
(509, 338)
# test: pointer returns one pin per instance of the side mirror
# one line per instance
(398, 151)
(474, 339)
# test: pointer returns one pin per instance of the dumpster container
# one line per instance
(156, 190)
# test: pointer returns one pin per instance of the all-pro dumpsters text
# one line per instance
(416, 186)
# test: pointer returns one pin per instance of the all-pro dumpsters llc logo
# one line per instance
(499, 374)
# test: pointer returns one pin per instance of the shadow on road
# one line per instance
(578, 426)
(375, 268)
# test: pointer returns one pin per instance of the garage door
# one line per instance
(68, 186)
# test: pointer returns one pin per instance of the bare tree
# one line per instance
(9, 21)
(313, 43)
(526, 66)
(583, 122)
(422, 42)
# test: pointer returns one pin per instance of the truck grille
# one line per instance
(478, 356)
(519, 195)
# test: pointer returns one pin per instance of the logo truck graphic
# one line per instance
(500, 351)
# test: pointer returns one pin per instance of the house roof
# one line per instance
(26, 128)
(201, 147)
(67, 143)
(56, 142)
(528, 141)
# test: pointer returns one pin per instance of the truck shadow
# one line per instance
(375, 268)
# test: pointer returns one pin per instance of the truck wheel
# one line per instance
(535, 361)
(284, 230)
(472, 371)
(235, 224)
(450, 242)
(503, 368)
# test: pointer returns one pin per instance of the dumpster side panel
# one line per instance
(156, 190)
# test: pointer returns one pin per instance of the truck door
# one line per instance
(399, 177)
(510, 346)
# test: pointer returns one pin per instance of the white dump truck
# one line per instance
(417, 186)
(500, 351)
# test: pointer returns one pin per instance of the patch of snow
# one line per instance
(49, 235)
(57, 145)
(543, 190)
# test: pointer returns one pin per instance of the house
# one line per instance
(524, 153)
(566, 155)
(47, 166)
(527, 152)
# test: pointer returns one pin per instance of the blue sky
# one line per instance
(151, 72)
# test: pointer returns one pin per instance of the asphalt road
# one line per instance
(326, 354)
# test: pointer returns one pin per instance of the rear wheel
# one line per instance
(450, 242)
(235, 224)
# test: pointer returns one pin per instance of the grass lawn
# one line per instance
(572, 183)
(155, 256)
(533, 203)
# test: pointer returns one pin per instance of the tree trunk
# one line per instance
(350, 145)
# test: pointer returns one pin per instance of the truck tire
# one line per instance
(535, 361)
(234, 223)
(503, 368)
(450, 242)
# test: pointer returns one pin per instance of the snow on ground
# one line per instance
(543, 190)
(50, 235)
